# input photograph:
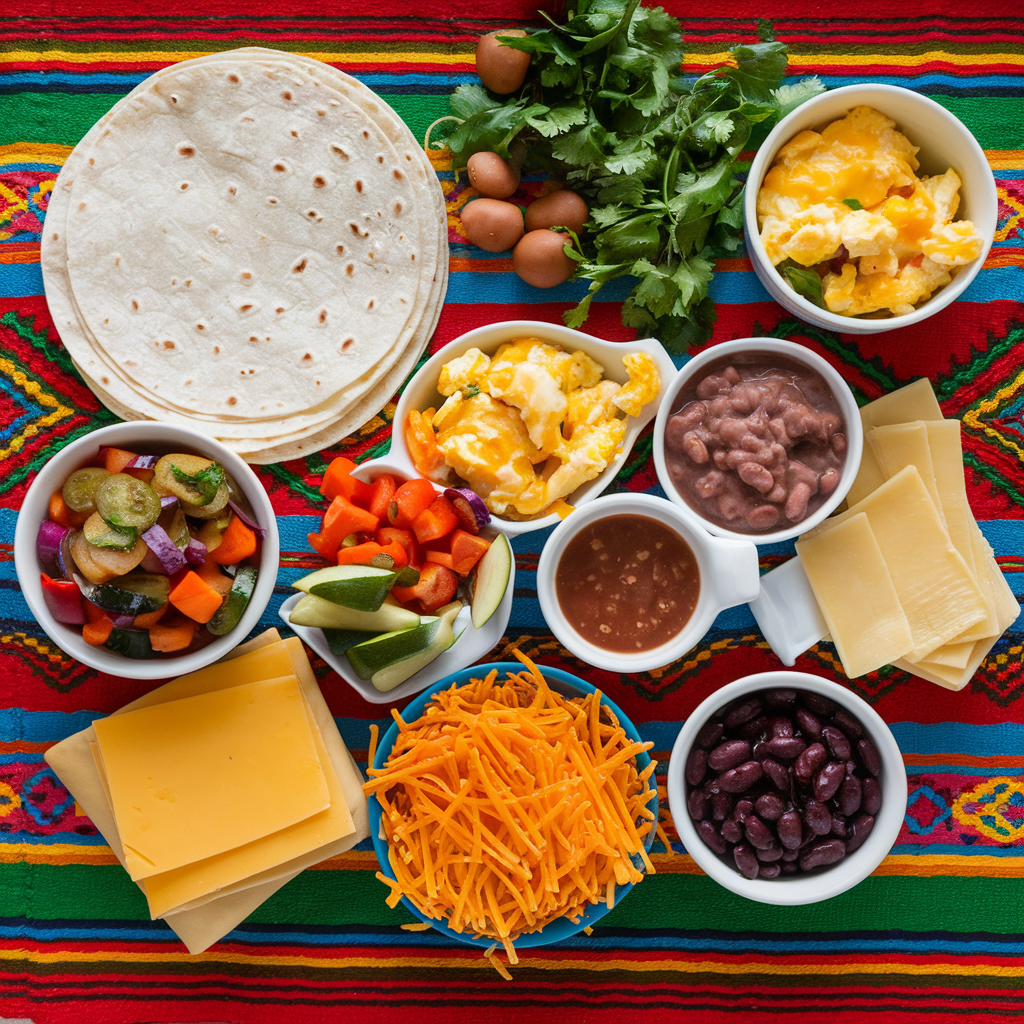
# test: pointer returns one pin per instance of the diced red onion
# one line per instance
(48, 541)
(469, 507)
(169, 556)
(167, 501)
(195, 552)
(143, 462)
(123, 621)
(247, 519)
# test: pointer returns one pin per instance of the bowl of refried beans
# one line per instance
(758, 438)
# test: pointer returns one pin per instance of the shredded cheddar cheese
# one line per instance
(507, 806)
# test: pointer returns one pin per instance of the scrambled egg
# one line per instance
(849, 203)
(528, 426)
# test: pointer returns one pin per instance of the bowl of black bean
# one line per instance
(787, 788)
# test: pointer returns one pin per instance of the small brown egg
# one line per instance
(491, 176)
(539, 258)
(561, 209)
(492, 224)
(501, 69)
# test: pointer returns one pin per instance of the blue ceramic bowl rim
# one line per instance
(558, 930)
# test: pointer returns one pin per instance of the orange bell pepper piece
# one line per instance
(409, 501)
(467, 550)
(339, 482)
(342, 519)
(435, 521)
(383, 489)
(237, 544)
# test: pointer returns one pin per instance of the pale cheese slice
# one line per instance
(938, 592)
(182, 775)
(855, 592)
(952, 655)
(897, 445)
(916, 401)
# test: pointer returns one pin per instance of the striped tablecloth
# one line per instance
(936, 934)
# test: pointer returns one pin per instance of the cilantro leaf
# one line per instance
(205, 483)
(806, 283)
(853, 204)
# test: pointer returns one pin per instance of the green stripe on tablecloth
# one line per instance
(63, 118)
(669, 901)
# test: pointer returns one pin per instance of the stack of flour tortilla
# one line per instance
(251, 244)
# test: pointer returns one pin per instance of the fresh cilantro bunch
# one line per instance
(605, 108)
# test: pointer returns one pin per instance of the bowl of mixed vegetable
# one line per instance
(146, 550)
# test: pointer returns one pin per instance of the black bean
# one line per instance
(711, 838)
(780, 698)
(809, 724)
(790, 830)
(746, 861)
(757, 832)
(818, 704)
(737, 780)
(817, 818)
(850, 795)
(848, 724)
(769, 871)
(732, 830)
(868, 754)
(859, 831)
(696, 766)
(697, 804)
(769, 807)
(828, 780)
(837, 742)
(743, 712)
(829, 851)
(809, 762)
(709, 734)
(721, 806)
(728, 755)
(871, 796)
(786, 747)
(775, 772)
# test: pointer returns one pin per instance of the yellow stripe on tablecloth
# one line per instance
(467, 59)
(730, 965)
(910, 60)
(1005, 159)
(33, 152)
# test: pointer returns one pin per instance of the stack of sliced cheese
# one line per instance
(219, 787)
(251, 244)
(905, 576)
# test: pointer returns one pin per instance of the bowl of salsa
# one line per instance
(630, 584)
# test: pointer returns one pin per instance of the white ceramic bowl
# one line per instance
(421, 393)
(944, 142)
(764, 346)
(728, 576)
(140, 436)
(797, 889)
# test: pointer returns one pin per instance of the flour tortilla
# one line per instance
(266, 447)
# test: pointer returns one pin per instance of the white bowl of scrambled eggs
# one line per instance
(868, 208)
(534, 417)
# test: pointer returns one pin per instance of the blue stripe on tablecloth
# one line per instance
(19, 280)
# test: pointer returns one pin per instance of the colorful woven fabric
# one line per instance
(936, 934)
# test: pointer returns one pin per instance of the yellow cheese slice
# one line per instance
(855, 592)
(916, 401)
(936, 589)
(897, 445)
(952, 655)
(195, 777)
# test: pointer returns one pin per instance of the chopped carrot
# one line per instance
(145, 475)
(467, 550)
(339, 482)
(173, 634)
(410, 500)
(393, 535)
(342, 519)
(360, 554)
(237, 544)
(384, 488)
(194, 597)
(421, 441)
(149, 619)
(115, 459)
(209, 572)
(435, 521)
(97, 630)
(60, 512)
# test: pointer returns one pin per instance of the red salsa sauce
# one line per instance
(627, 583)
